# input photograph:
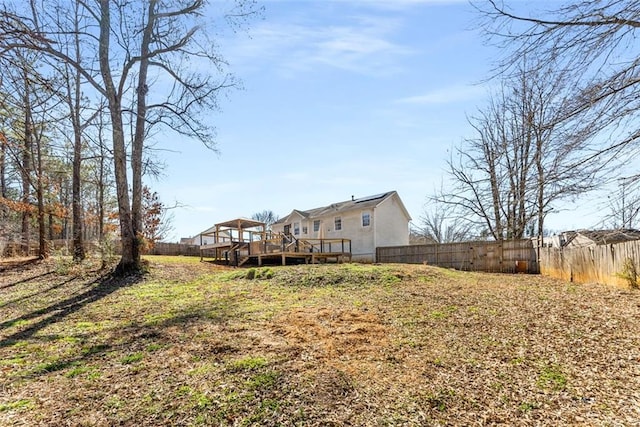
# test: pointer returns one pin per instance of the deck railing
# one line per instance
(284, 243)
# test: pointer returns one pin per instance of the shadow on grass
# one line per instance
(143, 339)
(97, 289)
(18, 265)
(31, 295)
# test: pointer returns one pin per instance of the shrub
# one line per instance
(629, 273)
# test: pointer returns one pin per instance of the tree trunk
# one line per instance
(100, 184)
(76, 190)
(76, 198)
(42, 240)
(141, 110)
(130, 259)
(25, 169)
(50, 226)
(3, 177)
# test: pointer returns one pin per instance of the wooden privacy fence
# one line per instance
(56, 246)
(161, 248)
(509, 256)
(605, 264)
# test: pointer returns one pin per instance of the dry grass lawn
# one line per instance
(190, 343)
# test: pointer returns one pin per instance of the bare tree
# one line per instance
(625, 203)
(525, 157)
(75, 102)
(3, 175)
(267, 216)
(594, 43)
(138, 45)
(101, 178)
(440, 223)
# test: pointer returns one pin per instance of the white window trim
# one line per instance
(362, 219)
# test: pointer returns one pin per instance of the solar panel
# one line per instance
(370, 198)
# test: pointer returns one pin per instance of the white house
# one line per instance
(207, 237)
(585, 238)
(369, 222)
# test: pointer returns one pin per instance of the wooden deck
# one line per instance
(313, 257)
(282, 249)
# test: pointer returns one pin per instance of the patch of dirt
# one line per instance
(327, 334)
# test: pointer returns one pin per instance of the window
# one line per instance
(316, 225)
(366, 219)
(296, 228)
(337, 221)
(305, 229)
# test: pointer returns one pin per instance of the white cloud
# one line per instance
(446, 95)
(362, 45)
(356, 49)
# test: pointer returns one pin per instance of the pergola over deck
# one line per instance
(231, 235)
(238, 230)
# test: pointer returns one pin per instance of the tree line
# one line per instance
(561, 121)
(85, 87)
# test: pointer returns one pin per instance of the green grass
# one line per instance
(132, 358)
(189, 343)
(77, 370)
(552, 377)
(248, 363)
(174, 260)
(18, 405)
(528, 406)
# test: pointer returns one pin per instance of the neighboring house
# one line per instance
(369, 222)
(585, 238)
(204, 238)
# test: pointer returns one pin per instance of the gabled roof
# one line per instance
(605, 237)
(348, 205)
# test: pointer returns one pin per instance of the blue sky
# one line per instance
(340, 98)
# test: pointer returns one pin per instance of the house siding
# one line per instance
(388, 226)
(392, 229)
(580, 241)
(362, 238)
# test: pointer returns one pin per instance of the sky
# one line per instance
(339, 99)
